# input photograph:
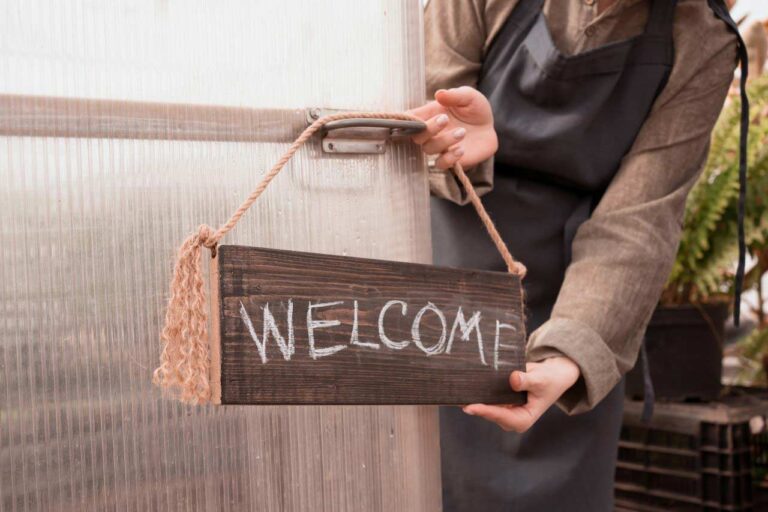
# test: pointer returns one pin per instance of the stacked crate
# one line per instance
(694, 457)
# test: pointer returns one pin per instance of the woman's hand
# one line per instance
(459, 128)
(545, 382)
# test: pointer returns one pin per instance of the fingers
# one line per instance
(457, 97)
(442, 141)
(448, 158)
(427, 111)
(545, 382)
(518, 419)
(434, 126)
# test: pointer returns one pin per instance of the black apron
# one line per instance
(564, 124)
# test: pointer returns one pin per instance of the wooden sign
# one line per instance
(300, 328)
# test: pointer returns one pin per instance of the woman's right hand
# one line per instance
(459, 128)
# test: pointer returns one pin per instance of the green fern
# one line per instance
(703, 268)
(751, 350)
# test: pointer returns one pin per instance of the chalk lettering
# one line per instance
(497, 344)
(314, 352)
(466, 329)
(462, 328)
(270, 326)
(394, 345)
(354, 338)
(438, 347)
(249, 325)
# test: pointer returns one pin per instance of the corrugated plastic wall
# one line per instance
(90, 216)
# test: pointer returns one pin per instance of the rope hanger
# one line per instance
(185, 358)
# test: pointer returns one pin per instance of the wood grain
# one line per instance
(215, 336)
(360, 374)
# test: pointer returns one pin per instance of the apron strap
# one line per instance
(721, 11)
(661, 18)
(649, 393)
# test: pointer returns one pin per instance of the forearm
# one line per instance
(610, 291)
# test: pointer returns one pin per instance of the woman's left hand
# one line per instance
(459, 128)
(545, 383)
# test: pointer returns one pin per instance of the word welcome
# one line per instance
(459, 326)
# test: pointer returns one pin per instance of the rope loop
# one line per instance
(185, 358)
(513, 266)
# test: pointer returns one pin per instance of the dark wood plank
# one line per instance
(367, 369)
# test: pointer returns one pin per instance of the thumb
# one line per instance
(457, 97)
(518, 381)
(530, 380)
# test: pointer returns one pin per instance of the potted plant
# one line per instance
(752, 352)
(684, 341)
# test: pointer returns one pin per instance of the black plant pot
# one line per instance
(685, 353)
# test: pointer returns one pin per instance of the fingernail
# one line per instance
(442, 120)
(467, 411)
(458, 151)
(459, 133)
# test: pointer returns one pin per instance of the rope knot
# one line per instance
(519, 269)
(205, 236)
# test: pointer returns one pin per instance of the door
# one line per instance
(123, 126)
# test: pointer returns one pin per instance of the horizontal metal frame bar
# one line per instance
(47, 116)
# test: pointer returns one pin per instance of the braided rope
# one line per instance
(185, 358)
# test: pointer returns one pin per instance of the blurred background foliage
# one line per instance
(703, 270)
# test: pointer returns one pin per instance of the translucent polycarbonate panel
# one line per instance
(90, 225)
(350, 54)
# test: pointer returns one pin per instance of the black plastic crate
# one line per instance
(694, 457)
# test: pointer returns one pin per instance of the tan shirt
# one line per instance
(623, 254)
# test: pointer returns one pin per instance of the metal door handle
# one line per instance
(397, 127)
(363, 136)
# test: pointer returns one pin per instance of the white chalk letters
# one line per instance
(438, 347)
(394, 345)
(270, 327)
(314, 352)
(465, 329)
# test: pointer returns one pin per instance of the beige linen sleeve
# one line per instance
(455, 38)
(623, 254)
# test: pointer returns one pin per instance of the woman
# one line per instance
(601, 111)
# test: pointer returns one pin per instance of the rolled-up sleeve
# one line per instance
(623, 254)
